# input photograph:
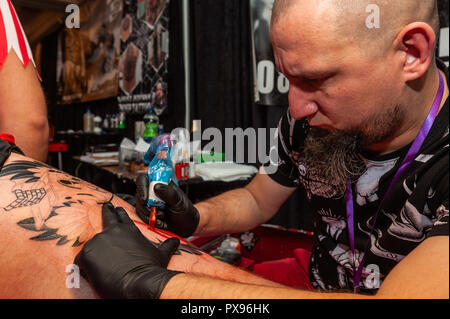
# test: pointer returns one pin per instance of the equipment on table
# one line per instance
(224, 171)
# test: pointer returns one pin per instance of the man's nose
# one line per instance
(301, 104)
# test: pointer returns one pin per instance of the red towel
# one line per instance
(292, 272)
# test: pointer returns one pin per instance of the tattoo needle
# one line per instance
(152, 219)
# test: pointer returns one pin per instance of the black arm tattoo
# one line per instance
(71, 196)
(64, 208)
(26, 198)
(24, 170)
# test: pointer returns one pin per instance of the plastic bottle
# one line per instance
(106, 122)
(88, 121)
(111, 121)
(121, 124)
(85, 121)
(116, 121)
(97, 125)
(151, 121)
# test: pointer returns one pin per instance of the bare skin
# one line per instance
(46, 216)
(23, 112)
(242, 209)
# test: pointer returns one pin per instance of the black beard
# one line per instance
(332, 158)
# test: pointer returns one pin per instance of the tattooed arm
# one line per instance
(46, 216)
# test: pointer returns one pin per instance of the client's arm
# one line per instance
(23, 111)
(46, 216)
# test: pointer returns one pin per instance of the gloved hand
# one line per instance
(121, 263)
(180, 216)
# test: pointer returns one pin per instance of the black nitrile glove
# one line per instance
(180, 216)
(121, 263)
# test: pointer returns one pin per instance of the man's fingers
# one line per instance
(123, 216)
(142, 215)
(168, 194)
(170, 246)
(160, 219)
(109, 216)
(142, 184)
(79, 261)
(112, 216)
(161, 224)
(160, 214)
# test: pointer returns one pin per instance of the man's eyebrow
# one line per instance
(305, 74)
(314, 74)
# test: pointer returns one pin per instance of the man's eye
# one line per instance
(316, 80)
(313, 81)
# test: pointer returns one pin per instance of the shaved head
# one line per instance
(347, 18)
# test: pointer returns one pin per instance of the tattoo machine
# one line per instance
(160, 170)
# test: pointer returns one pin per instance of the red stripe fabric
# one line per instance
(3, 41)
(20, 37)
(8, 138)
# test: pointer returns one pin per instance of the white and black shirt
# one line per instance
(416, 209)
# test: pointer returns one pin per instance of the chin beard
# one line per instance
(332, 158)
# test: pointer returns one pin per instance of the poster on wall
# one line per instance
(443, 43)
(271, 87)
(88, 56)
(144, 47)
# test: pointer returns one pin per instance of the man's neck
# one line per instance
(409, 132)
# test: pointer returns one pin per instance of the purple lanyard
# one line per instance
(412, 153)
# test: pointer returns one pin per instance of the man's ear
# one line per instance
(416, 43)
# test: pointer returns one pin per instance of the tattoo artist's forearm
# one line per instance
(233, 211)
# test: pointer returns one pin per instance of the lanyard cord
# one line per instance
(409, 158)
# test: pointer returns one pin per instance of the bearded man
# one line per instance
(366, 135)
